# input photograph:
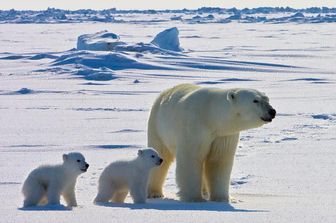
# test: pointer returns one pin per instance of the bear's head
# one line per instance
(75, 162)
(251, 108)
(150, 156)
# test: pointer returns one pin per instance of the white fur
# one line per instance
(120, 177)
(200, 128)
(45, 184)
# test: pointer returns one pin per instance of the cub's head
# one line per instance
(251, 107)
(76, 162)
(150, 157)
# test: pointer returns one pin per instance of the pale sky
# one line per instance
(157, 4)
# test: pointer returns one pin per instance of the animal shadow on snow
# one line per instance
(47, 208)
(174, 205)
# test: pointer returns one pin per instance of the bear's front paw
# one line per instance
(192, 199)
(153, 194)
(72, 205)
(56, 203)
(139, 200)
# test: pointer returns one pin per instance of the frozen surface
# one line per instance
(56, 99)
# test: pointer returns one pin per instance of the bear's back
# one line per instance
(45, 173)
(119, 170)
(175, 94)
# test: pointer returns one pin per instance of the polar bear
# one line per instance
(121, 176)
(199, 127)
(45, 184)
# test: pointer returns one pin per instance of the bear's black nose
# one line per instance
(161, 160)
(272, 112)
(87, 165)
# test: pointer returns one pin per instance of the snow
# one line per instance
(56, 98)
(24, 91)
(100, 74)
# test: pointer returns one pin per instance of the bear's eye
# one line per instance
(255, 101)
(78, 161)
(152, 156)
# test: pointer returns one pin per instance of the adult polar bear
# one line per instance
(200, 128)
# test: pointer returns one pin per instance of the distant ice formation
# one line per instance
(168, 39)
(190, 16)
(103, 40)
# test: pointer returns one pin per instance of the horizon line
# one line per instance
(167, 9)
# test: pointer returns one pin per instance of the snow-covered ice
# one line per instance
(57, 97)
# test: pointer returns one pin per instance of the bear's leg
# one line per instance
(158, 175)
(70, 196)
(138, 191)
(33, 193)
(189, 171)
(44, 200)
(205, 187)
(53, 193)
(105, 192)
(119, 196)
(218, 166)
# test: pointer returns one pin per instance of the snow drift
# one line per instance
(100, 55)
(110, 60)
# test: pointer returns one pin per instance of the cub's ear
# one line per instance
(140, 152)
(65, 157)
(231, 96)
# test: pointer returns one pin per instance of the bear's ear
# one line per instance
(231, 96)
(140, 152)
(65, 157)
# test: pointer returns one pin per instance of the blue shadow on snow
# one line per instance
(171, 204)
(59, 207)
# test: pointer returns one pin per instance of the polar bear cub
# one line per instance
(122, 176)
(45, 184)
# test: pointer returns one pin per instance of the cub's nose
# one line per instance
(161, 160)
(272, 112)
(87, 165)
